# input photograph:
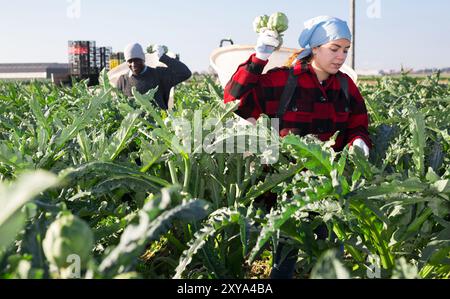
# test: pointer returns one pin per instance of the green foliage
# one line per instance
(161, 207)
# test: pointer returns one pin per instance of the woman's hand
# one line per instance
(268, 41)
(362, 145)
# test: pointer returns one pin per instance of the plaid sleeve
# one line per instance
(358, 121)
(244, 85)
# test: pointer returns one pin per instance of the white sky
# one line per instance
(390, 33)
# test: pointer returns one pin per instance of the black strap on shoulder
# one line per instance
(344, 87)
(286, 97)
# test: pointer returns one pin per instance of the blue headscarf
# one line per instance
(321, 30)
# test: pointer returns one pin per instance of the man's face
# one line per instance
(136, 65)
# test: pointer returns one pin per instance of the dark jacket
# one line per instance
(161, 77)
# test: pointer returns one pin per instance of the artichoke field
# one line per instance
(94, 186)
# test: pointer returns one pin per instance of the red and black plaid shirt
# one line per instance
(315, 108)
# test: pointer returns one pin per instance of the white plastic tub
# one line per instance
(225, 61)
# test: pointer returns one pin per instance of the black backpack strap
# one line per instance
(344, 87)
(286, 97)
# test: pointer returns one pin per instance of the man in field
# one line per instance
(145, 78)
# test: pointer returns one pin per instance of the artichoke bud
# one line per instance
(260, 22)
(278, 22)
(68, 236)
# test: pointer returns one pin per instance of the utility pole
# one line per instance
(352, 29)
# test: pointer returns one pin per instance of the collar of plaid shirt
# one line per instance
(302, 67)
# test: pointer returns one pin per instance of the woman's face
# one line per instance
(331, 56)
